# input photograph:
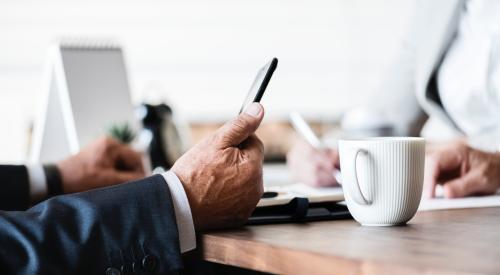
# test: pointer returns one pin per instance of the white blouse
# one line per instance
(469, 77)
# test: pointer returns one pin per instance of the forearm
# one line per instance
(87, 233)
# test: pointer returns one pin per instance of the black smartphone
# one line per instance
(260, 83)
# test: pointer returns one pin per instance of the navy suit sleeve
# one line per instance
(14, 187)
(105, 231)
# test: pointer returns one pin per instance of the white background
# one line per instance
(201, 56)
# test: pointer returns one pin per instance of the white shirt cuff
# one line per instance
(37, 182)
(183, 216)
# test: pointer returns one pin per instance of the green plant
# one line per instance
(122, 132)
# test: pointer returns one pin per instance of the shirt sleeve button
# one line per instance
(135, 267)
(113, 271)
(126, 269)
(149, 263)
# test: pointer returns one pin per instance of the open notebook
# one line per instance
(300, 203)
(286, 193)
(440, 203)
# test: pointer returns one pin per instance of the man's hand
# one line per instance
(222, 175)
(312, 166)
(103, 163)
(462, 171)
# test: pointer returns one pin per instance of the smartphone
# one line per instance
(260, 84)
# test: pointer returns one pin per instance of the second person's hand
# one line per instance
(103, 163)
(313, 166)
(462, 171)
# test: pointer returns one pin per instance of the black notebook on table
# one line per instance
(298, 203)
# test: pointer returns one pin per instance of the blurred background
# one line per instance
(201, 56)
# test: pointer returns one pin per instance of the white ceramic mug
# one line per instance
(382, 178)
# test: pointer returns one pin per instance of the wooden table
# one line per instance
(438, 242)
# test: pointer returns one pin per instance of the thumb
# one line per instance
(239, 129)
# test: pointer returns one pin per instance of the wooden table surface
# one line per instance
(439, 242)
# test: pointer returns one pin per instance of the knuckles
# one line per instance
(260, 146)
(104, 145)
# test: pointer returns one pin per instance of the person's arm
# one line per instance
(395, 96)
(103, 163)
(127, 226)
(137, 225)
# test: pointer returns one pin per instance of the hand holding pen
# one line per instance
(310, 160)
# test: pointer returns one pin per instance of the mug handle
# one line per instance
(358, 195)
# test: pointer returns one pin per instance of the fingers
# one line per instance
(236, 131)
(127, 159)
(438, 164)
(315, 175)
(469, 184)
(312, 166)
(335, 156)
(318, 171)
(322, 166)
(461, 170)
(431, 173)
(481, 179)
(126, 164)
(325, 159)
(253, 147)
(323, 178)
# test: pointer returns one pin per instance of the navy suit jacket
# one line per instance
(114, 230)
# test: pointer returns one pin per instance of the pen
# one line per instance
(303, 128)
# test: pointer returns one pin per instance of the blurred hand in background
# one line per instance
(312, 166)
(461, 170)
(104, 162)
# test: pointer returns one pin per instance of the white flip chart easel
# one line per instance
(87, 93)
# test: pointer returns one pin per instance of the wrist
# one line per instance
(183, 214)
(53, 179)
(191, 197)
(71, 174)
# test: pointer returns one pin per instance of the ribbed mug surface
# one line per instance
(390, 174)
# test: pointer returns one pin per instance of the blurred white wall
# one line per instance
(202, 55)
